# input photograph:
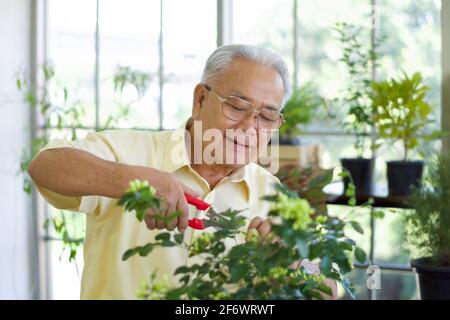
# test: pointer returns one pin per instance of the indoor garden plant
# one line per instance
(428, 230)
(402, 114)
(360, 60)
(309, 183)
(255, 269)
(299, 111)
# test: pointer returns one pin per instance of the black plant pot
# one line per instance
(403, 175)
(361, 170)
(433, 281)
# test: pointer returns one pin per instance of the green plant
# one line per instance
(124, 76)
(257, 268)
(308, 183)
(59, 111)
(402, 113)
(428, 225)
(300, 109)
(360, 60)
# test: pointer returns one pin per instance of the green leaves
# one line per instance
(300, 109)
(359, 59)
(164, 236)
(140, 197)
(161, 240)
(238, 271)
(258, 268)
(325, 265)
(126, 76)
(302, 247)
(182, 269)
(321, 180)
(179, 238)
(402, 112)
(360, 255)
(377, 214)
(427, 227)
(141, 250)
(357, 227)
(348, 287)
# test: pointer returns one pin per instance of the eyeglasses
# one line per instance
(237, 109)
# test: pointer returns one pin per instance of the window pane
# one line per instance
(397, 286)
(333, 147)
(65, 275)
(389, 236)
(71, 48)
(188, 41)
(358, 277)
(129, 33)
(265, 23)
(413, 30)
(319, 50)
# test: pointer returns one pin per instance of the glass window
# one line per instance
(413, 43)
(129, 35)
(319, 50)
(71, 49)
(265, 23)
(189, 37)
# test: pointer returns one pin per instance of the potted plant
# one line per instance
(258, 268)
(402, 114)
(299, 111)
(428, 231)
(359, 60)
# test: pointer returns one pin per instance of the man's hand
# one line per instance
(262, 226)
(172, 192)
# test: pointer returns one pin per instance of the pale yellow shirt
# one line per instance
(110, 231)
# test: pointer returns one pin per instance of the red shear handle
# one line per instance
(198, 203)
(196, 224)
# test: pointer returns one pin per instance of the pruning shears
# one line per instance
(200, 224)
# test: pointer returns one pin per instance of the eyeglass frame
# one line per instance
(222, 100)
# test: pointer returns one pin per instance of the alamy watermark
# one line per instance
(374, 279)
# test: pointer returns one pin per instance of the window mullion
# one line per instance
(97, 67)
(445, 89)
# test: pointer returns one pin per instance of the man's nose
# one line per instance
(250, 121)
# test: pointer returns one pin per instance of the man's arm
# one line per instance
(74, 173)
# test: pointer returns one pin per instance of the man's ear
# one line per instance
(199, 99)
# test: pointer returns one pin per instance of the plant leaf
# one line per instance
(179, 238)
(357, 227)
(360, 255)
(325, 265)
(164, 236)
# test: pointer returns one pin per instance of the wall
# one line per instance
(17, 253)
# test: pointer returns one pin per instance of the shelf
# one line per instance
(380, 197)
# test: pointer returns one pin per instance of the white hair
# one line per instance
(223, 57)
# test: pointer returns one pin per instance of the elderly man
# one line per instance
(236, 108)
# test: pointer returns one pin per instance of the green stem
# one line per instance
(405, 146)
